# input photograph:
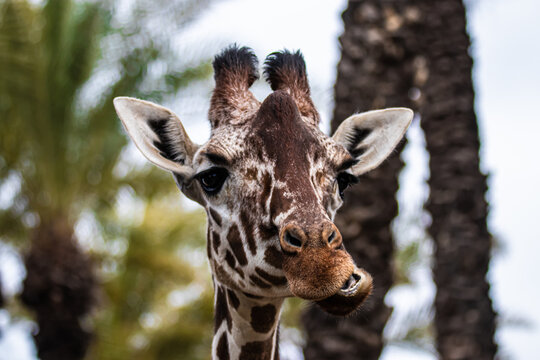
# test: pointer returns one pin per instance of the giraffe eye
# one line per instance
(345, 180)
(212, 179)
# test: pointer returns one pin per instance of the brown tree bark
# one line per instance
(60, 288)
(464, 317)
(376, 70)
(388, 47)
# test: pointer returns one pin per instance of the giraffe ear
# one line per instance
(158, 133)
(371, 136)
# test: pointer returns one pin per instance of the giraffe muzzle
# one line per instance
(318, 267)
(315, 262)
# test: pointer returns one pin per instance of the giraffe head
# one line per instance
(269, 179)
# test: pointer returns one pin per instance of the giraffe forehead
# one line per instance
(296, 151)
(276, 139)
(274, 145)
(292, 141)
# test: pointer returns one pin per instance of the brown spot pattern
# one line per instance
(275, 204)
(233, 299)
(222, 274)
(223, 348)
(267, 232)
(272, 279)
(229, 258)
(216, 241)
(248, 231)
(251, 174)
(266, 189)
(215, 216)
(263, 317)
(221, 310)
(251, 296)
(256, 350)
(259, 282)
(274, 257)
(235, 241)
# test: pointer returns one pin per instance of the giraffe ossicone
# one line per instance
(271, 183)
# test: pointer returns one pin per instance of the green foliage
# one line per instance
(292, 309)
(159, 298)
(63, 151)
(408, 256)
(61, 145)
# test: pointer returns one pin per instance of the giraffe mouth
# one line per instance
(351, 285)
(350, 296)
(359, 281)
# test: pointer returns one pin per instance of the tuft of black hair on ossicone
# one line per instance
(281, 67)
(238, 60)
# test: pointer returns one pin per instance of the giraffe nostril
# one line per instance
(331, 237)
(291, 240)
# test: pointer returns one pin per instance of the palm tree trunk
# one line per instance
(464, 320)
(60, 289)
(375, 71)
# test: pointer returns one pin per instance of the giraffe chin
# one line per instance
(351, 296)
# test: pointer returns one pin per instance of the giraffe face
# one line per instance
(270, 180)
(270, 203)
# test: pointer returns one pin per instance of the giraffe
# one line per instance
(270, 182)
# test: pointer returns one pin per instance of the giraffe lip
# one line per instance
(353, 284)
(351, 296)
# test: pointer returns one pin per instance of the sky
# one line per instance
(507, 80)
(506, 50)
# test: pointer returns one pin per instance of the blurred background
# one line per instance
(101, 257)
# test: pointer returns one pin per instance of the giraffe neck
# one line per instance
(245, 327)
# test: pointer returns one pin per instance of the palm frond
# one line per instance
(82, 41)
